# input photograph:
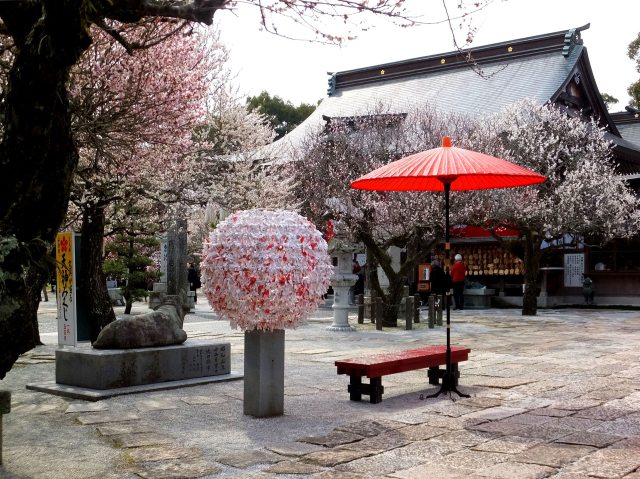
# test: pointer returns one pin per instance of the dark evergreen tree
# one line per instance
(129, 261)
(282, 115)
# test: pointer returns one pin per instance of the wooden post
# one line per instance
(378, 316)
(409, 313)
(416, 305)
(5, 408)
(360, 303)
(432, 310)
(373, 306)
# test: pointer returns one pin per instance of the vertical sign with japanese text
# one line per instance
(573, 269)
(66, 289)
(164, 258)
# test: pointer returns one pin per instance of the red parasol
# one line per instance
(463, 169)
(444, 169)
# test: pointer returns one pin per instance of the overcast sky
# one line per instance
(297, 71)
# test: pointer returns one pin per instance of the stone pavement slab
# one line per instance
(244, 459)
(511, 470)
(161, 453)
(371, 428)
(554, 455)
(118, 428)
(293, 467)
(87, 407)
(107, 418)
(586, 438)
(175, 469)
(333, 457)
(607, 463)
(139, 439)
(332, 439)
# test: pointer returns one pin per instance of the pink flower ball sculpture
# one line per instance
(265, 269)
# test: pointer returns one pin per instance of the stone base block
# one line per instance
(118, 368)
(88, 394)
(264, 373)
(478, 298)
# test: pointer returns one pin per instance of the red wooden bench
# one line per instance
(378, 365)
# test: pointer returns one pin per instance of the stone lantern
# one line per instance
(341, 280)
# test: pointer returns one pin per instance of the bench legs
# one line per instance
(374, 389)
(436, 373)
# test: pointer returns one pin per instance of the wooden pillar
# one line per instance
(360, 303)
(416, 305)
(432, 311)
(5, 408)
(409, 313)
(378, 310)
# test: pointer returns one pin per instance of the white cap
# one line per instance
(458, 257)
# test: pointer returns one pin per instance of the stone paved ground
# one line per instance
(557, 395)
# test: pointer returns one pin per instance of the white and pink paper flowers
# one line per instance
(265, 269)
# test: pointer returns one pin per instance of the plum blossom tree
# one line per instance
(232, 175)
(133, 129)
(351, 147)
(581, 197)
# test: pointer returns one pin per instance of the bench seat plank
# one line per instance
(402, 361)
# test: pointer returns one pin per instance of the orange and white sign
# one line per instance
(66, 289)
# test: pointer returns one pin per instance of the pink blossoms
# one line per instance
(265, 270)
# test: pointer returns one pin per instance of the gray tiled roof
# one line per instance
(630, 132)
(459, 90)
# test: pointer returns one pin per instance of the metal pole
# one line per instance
(447, 256)
(448, 382)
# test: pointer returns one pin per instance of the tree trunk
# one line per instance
(37, 156)
(532, 255)
(392, 298)
(392, 302)
(92, 282)
(35, 280)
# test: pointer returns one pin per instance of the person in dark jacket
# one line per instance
(440, 280)
(194, 281)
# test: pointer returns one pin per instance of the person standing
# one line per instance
(458, 272)
(440, 281)
(587, 289)
(194, 281)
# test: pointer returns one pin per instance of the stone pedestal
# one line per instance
(5, 408)
(118, 368)
(158, 295)
(264, 373)
(191, 299)
(478, 298)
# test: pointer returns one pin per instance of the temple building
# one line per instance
(553, 68)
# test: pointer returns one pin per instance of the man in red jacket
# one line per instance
(458, 271)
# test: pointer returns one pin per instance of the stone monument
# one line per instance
(173, 266)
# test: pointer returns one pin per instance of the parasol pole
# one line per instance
(448, 381)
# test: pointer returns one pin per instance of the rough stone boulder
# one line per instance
(161, 327)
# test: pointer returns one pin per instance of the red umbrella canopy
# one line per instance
(463, 169)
